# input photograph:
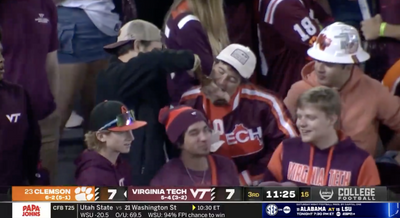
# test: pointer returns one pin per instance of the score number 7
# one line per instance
(113, 193)
(230, 192)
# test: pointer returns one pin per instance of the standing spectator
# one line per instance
(137, 76)
(189, 130)
(382, 31)
(252, 122)
(242, 25)
(286, 30)
(19, 133)
(30, 53)
(322, 156)
(84, 27)
(337, 54)
(198, 26)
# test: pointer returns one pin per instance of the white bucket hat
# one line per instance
(338, 43)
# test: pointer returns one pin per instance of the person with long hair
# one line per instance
(198, 26)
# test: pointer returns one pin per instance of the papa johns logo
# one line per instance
(31, 210)
(327, 194)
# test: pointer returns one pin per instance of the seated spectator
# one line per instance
(137, 76)
(251, 121)
(111, 125)
(189, 130)
(366, 103)
(321, 156)
(20, 138)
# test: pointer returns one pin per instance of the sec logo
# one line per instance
(271, 209)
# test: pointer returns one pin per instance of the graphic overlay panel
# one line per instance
(53, 193)
(64, 210)
(329, 210)
(253, 194)
(169, 194)
(170, 209)
(304, 194)
(31, 209)
(348, 194)
(281, 193)
(6, 210)
(118, 193)
(228, 194)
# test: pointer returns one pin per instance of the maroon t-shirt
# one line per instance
(29, 34)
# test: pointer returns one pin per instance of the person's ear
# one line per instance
(333, 119)
(101, 136)
(137, 45)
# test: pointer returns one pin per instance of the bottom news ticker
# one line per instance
(196, 210)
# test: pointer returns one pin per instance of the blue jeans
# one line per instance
(80, 40)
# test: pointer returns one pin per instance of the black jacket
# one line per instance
(141, 84)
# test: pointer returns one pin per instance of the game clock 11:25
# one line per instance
(281, 193)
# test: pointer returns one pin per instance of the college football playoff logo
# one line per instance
(326, 195)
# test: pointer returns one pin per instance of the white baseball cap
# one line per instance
(338, 43)
(239, 57)
(135, 30)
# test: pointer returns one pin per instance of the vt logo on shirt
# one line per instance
(42, 19)
(13, 118)
(299, 173)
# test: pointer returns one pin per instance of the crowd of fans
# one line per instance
(234, 92)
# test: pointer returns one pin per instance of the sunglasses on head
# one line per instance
(121, 120)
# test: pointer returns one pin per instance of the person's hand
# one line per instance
(371, 28)
(210, 89)
(196, 65)
(215, 93)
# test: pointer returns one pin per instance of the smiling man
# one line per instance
(251, 121)
(322, 155)
(365, 102)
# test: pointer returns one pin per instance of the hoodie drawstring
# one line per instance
(327, 168)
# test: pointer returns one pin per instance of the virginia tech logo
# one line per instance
(323, 41)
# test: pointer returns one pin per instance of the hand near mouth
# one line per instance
(211, 90)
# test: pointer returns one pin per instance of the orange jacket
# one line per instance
(365, 103)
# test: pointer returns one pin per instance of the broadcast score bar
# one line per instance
(257, 194)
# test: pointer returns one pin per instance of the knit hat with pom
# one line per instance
(177, 120)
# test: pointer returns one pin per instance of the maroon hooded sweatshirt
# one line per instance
(343, 164)
(92, 169)
(222, 172)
